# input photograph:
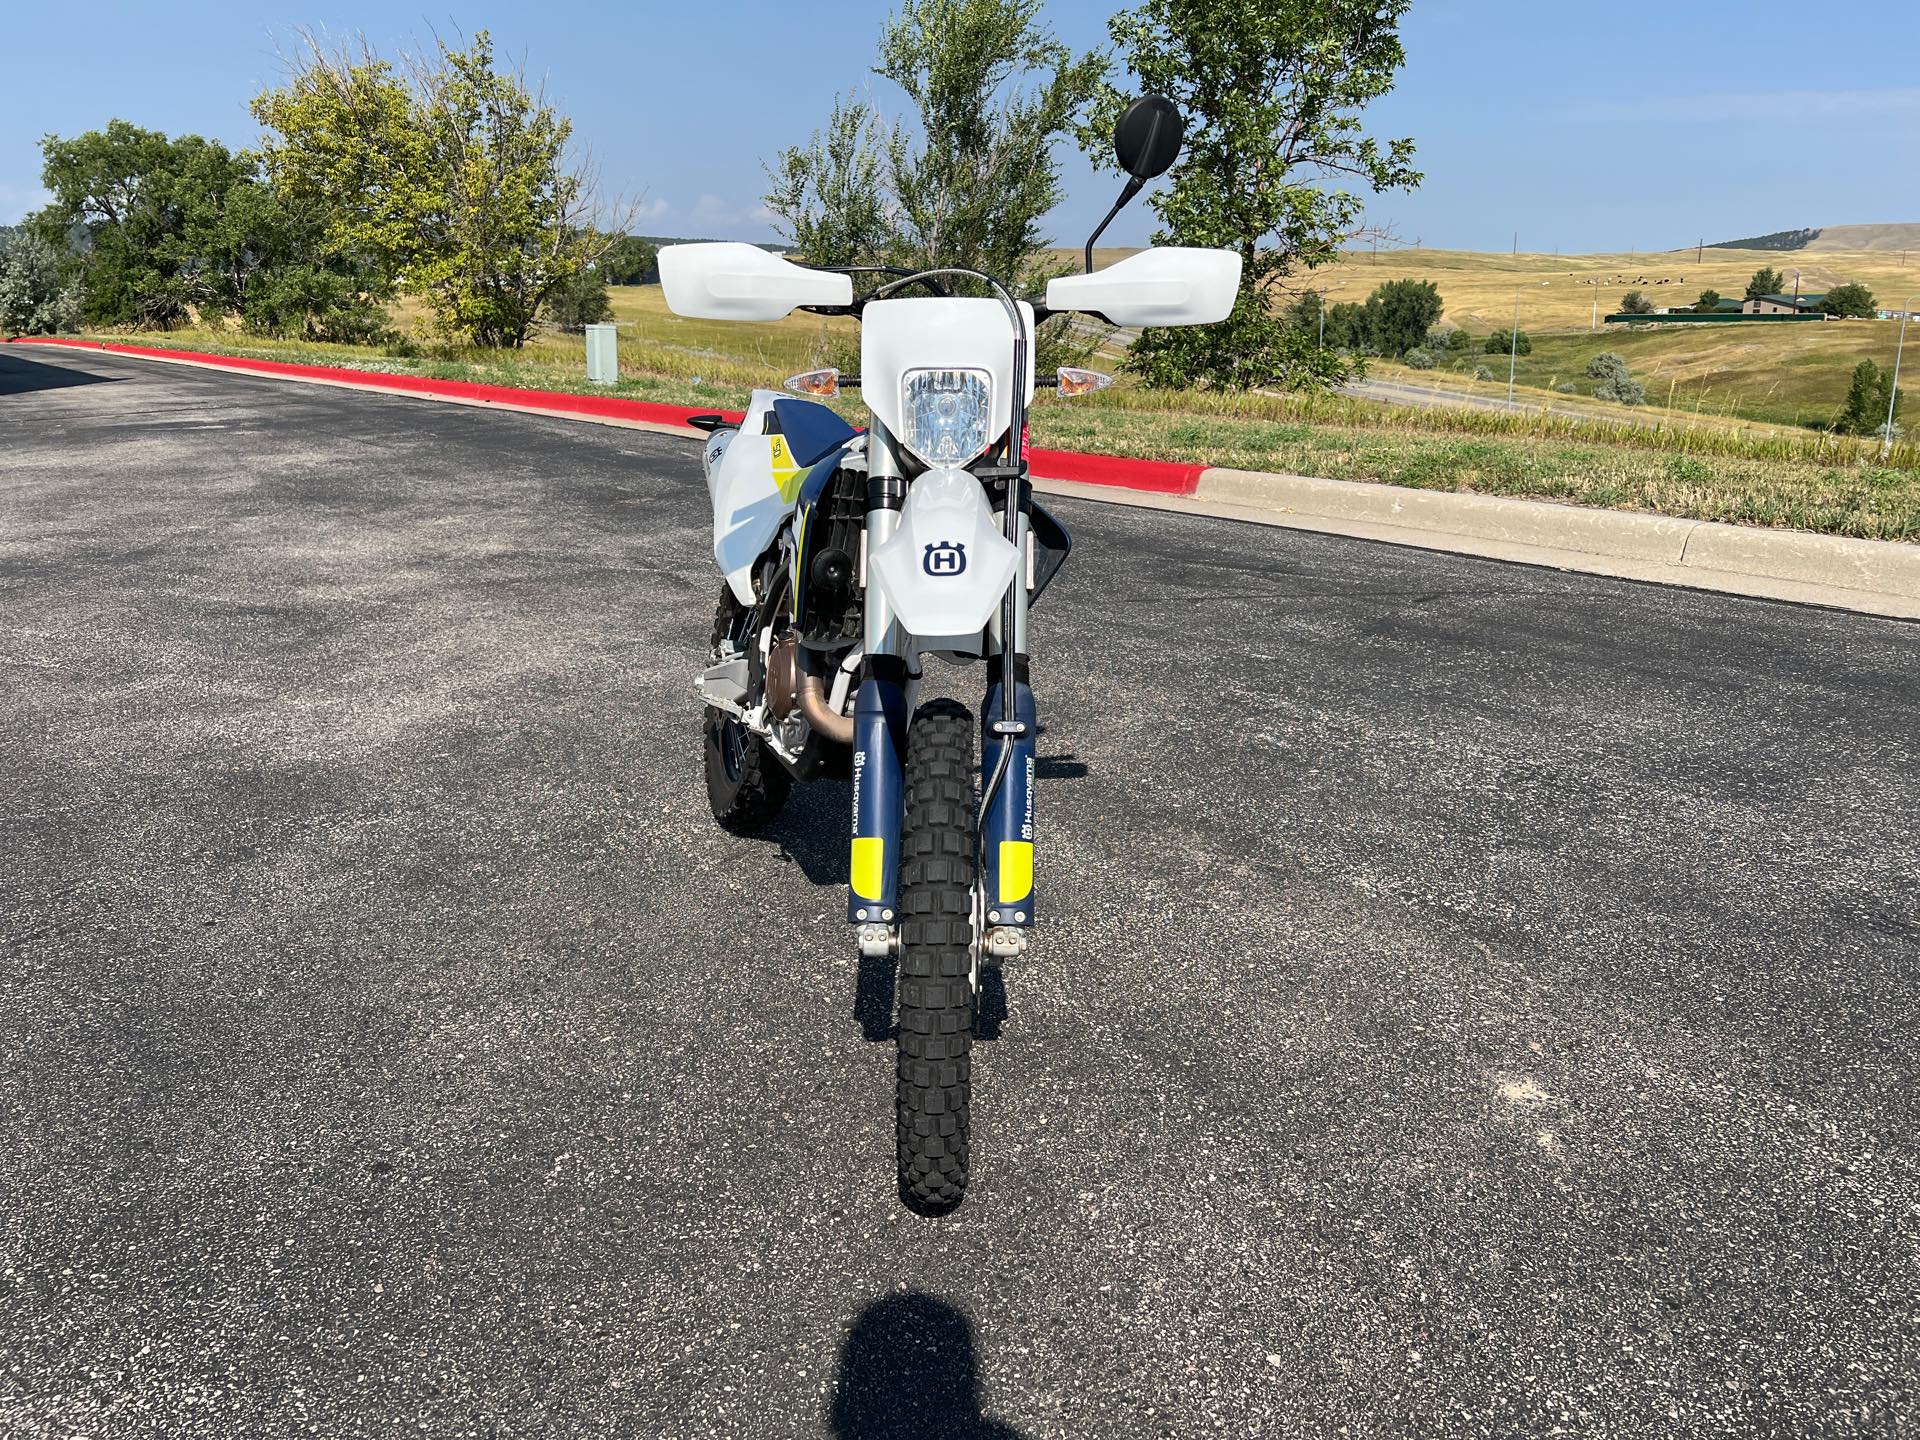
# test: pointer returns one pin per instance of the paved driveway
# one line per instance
(1475, 1000)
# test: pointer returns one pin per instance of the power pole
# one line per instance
(1596, 310)
(1700, 252)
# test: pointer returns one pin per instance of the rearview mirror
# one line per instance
(732, 280)
(1146, 141)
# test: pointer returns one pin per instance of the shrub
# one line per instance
(32, 299)
(1567, 387)
(1459, 342)
(1480, 372)
(1636, 303)
(1708, 302)
(1865, 411)
(1418, 358)
(1607, 366)
(579, 301)
(1624, 390)
(1508, 342)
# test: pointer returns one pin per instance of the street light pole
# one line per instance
(1513, 339)
(1893, 396)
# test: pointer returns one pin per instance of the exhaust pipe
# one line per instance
(792, 685)
(820, 715)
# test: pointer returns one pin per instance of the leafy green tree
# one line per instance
(1503, 342)
(967, 180)
(150, 208)
(1459, 341)
(1273, 94)
(1852, 302)
(630, 261)
(452, 175)
(829, 196)
(1346, 326)
(1399, 314)
(1302, 316)
(1865, 410)
(1766, 281)
(1708, 302)
(35, 299)
(1636, 303)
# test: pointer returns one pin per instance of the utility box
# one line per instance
(603, 355)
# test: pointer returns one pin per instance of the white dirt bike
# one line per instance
(851, 556)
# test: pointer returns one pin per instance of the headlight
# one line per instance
(949, 414)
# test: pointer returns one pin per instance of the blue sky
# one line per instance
(1632, 125)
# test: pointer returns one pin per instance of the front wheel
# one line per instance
(933, 1065)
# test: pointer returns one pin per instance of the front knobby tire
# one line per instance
(933, 1076)
(746, 783)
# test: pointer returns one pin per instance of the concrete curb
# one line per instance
(1875, 577)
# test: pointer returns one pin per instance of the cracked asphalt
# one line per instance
(1473, 1000)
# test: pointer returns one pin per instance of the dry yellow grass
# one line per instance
(1559, 292)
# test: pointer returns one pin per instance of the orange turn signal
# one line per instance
(815, 382)
(1081, 382)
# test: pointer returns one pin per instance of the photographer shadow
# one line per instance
(909, 1371)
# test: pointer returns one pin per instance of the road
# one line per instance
(1474, 1000)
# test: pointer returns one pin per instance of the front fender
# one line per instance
(946, 568)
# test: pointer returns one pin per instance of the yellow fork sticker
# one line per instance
(1016, 870)
(869, 865)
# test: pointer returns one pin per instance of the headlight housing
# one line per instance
(948, 414)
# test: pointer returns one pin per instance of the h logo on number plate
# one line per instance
(946, 558)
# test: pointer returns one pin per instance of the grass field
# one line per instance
(1701, 466)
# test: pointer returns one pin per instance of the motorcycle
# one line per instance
(851, 556)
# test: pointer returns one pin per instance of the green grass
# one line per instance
(1695, 467)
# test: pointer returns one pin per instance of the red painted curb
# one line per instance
(1158, 476)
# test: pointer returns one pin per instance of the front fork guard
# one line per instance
(879, 800)
(879, 805)
(1006, 831)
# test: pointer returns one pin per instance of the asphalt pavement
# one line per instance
(1472, 999)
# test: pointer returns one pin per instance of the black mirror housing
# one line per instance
(1147, 139)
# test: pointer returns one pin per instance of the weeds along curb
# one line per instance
(1879, 577)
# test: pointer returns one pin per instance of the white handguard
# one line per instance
(946, 568)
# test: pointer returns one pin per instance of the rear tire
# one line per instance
(746, 783)
(933, 1076)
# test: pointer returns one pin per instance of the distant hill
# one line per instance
(1832, 237)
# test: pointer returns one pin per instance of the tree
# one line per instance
(1852, 302)
(34, 298)
(1636, 303)
(1708, 302)
(451, 175)
(1399, 314)
(1346, 326)
(630, 261)
(1865, 410)
(967, 181)
(1503, 342)
(1766, 281)
(1273, 95)
(148, 207)
(581, 301)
